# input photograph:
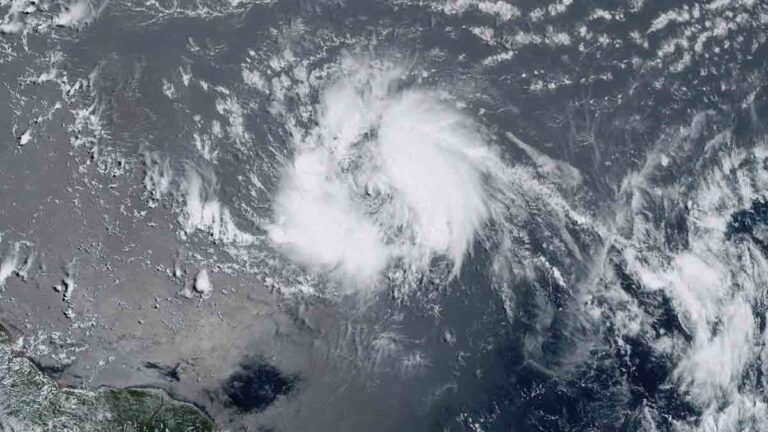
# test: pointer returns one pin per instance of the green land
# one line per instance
(30, 401)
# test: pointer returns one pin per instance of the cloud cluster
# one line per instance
(387, 175)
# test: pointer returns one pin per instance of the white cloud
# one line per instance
(386, 175)
(203, 211)
(158, 175)
(715, 283)
(320, 224)
(203, 283)
(9, 264)
(78, 13)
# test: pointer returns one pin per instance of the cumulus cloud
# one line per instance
(389, 181)
(203, 283)
(320, 224)
(715, 282)
(16, 261)
(387, 175)
(432, 161)
(78, 13)
(9, 264)
(203, 211)
(158, 175)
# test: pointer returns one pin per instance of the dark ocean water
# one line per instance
(609, 296)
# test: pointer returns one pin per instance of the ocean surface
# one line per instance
(359, 215)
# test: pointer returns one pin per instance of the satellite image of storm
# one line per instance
(383, 215)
